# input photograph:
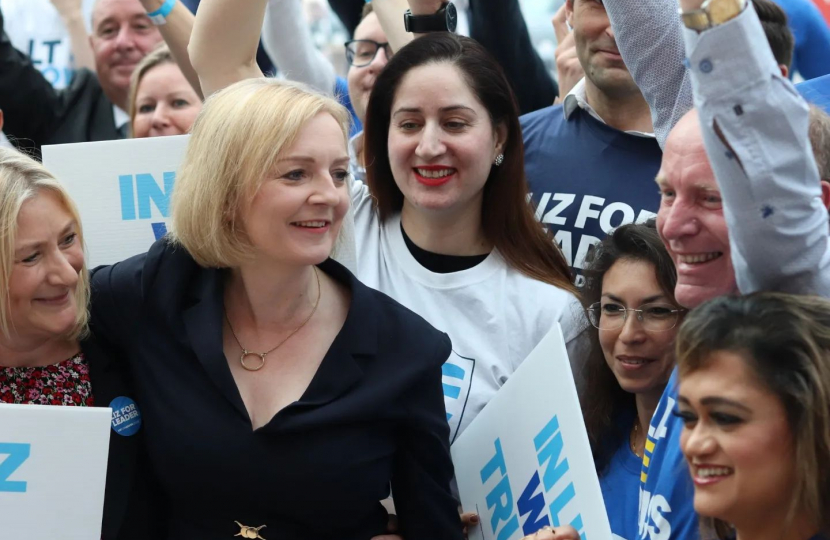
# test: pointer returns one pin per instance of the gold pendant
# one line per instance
(249, 532)
(261, 357)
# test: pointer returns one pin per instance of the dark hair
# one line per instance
(785, 340)
(778, 32)
(367, 10)
(507, 217)
(604, 401)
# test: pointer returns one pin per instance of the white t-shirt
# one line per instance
(493, 314)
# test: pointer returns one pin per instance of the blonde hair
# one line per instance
(785, 341)
(158, 56)
(22, 179)
(236, 140)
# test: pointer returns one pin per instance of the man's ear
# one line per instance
(825, 193)
(785, 71)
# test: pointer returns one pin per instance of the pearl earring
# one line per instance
(499, 160)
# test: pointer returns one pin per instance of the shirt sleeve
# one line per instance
(287, 39)
(778, 227)
(30, 104)
(649, 35)
(115, 300)
(812, 52)
(422, 470)
(501, 28)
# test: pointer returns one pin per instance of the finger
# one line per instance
(560, 25)
(565, 532)
(469, 518)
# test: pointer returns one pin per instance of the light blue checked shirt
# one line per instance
(778, 226)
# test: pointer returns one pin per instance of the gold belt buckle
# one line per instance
(249, 532)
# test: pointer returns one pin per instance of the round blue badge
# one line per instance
(126, 418)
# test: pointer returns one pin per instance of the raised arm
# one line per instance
(649, 36)
(755, 127)
(176, 32)
(224, 42)
(500, 27)
(73, 19)
(287, 40)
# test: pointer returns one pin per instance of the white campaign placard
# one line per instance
(53, 468)
(525, 461)
(122, 189)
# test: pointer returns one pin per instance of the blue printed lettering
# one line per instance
(500, 498)
(159, 230)
(18, 453)
(125, 186)
(534, 504)
(147, 189)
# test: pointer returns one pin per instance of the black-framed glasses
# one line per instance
(361, 52)
(653, 317)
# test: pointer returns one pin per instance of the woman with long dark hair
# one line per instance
(443, 224)
(629, 298)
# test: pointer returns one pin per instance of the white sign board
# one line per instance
(122, 189)
(525, 461)
(53, 468)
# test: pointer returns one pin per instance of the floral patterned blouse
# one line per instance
(66, 383)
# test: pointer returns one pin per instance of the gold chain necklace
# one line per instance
(246, 352)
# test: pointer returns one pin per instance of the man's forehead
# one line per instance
(115, 9)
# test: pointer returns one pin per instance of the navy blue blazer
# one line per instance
(372, 415)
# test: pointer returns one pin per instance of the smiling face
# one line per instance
(165, 103)
(441, 141)
(641, 361)
(597, 49)
(48, 259)
(737, 442)
(690, 220)
(122, 35)
(296, 214)
(362, 79)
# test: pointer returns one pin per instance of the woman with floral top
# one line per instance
(44, 359)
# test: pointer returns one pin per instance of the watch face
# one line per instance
(452, 17)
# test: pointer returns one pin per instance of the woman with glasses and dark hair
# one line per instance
(754, 398)
(630, 302)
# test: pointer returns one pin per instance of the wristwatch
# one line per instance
(712, 13)
(443, 20)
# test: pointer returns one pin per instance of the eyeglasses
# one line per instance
(362, 52)
(653, 317)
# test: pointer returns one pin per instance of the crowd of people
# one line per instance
(339, 245)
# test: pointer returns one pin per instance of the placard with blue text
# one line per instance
(53, 467)
(122, 189)
(525, 461)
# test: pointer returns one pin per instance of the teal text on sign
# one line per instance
(137, 191)
(17, 454)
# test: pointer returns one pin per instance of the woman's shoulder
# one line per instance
(394, 326)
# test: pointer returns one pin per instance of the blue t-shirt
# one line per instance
(811, 57)
(621, 491)
(666, 489)
(817, 91)
(587, 178)
(341, 94)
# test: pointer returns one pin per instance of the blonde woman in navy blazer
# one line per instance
(280, 397)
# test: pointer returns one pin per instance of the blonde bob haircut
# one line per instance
(22, 179)
(236, 141)
(157, 57)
